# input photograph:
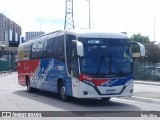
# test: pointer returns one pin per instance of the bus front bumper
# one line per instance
(87, 91)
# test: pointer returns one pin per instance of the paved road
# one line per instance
(15, 98)
(149, 91)
(146, 92)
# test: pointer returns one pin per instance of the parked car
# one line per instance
(156, 73)
(147, 71)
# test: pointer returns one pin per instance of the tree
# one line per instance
(152, 52)
(140, 38)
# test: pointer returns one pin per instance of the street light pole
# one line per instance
(9, 60)
(154, 28)
(89, 13)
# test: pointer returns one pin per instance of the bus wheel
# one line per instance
(105, 99)
(29, 88)
(62, 91)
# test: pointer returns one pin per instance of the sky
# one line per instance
(131, 16)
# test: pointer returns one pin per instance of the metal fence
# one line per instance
(146, 71)
(7, 65)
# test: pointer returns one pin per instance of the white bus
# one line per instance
(80, 64)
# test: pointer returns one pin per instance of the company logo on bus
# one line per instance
(110, 76)
(60, 68)
(96, 81)
(85, 77)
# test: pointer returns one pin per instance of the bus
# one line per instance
(78, 63)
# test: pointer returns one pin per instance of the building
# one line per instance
(10, 32)
(30, 35)
(10, 37)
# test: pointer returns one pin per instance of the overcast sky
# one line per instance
(131, 16)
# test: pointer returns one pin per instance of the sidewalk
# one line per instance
(2, 73)
(147, 82)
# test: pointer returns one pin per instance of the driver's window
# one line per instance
(69, 39)
(74, 61)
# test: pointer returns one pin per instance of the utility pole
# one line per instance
(154, 28)
(89, 2)
(69, 21)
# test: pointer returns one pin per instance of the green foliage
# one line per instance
(140, 38)
(135, 48)
(152, 52)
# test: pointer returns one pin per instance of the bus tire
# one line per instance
(62, 91)
(29, 88)
(105, 99)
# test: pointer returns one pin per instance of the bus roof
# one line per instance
(96, 33)
(88, 33)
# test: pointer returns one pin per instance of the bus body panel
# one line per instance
(75, 87)
(87, 91)
(44, 73)
(26, 68)
(112, 87)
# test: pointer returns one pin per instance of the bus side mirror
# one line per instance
(80, 51)
(138, 49)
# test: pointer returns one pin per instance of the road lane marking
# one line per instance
(146, 98)
(124, 100)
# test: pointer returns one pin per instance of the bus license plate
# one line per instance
(111, 91)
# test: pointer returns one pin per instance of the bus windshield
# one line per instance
(104, 57)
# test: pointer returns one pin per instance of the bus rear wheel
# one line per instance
(62, 91)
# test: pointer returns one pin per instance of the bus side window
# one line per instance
(30, 55)
(34, 49)
(54, 48)
(49, 48)
(40, 54)
(59, 48)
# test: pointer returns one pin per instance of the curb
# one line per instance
(2, 73)
(147, 83)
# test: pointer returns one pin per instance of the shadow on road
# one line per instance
(52, 99)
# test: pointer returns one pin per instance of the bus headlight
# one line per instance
(128, 82)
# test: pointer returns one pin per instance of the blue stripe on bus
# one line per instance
(49, 71)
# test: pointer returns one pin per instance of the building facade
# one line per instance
(10, 32)
(30, 35)
(10, 37)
